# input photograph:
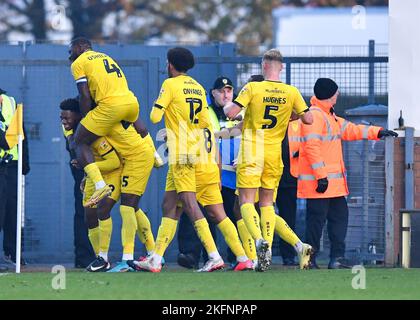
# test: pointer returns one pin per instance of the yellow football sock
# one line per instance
(128, 229)
(165, 235)
(105, 232)
(231, 236)
(203, 231)
(144, 230)
(285, 232)
(268, 222)
(93, 173)
(93, 235)
(252, 220)
(247, 241)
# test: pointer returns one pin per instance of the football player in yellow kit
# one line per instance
(182, 101)
(268, 105)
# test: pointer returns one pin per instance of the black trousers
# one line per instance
(188, 240)
(8, 207)
(83, 250)
(336, 213)
(286, 203)
(10, 217)
(3, 194)
(229, 196)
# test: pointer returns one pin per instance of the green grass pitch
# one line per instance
(176, 284)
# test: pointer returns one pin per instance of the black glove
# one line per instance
(387, 133)
(322, 185)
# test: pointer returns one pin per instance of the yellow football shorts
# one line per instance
(264, 171)
(209, 194)
(112, 179)
(206, 195)
(136, 171)
(181, 178)
(102, 118)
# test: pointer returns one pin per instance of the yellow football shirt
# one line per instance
(183, 102)
(106, 80)
(207, 171)
(269, 105)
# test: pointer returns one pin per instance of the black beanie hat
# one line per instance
(325, 88)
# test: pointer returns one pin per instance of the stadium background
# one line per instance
(39, 76)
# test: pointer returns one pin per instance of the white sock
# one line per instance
(156, 259)
(104, 255)
(258, 242)
(127, 256)
(299, 247)
(242, 258)
(214, 255)
(100, 184)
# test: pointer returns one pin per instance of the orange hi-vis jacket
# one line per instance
(293, 134)
(321, 154)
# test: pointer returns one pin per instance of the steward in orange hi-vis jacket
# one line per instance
(321, 170)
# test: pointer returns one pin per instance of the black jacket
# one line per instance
(3, 145)
(287, 180)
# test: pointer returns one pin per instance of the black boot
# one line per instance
(338, 263)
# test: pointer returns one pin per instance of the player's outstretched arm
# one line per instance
(227, 133)
(307, 118)
(141, 128)
(85, 99)
(231, 110)
(156, 114)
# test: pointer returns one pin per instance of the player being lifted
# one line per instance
(182, 101)
(268, 105)
(100, 79)
(98, 218)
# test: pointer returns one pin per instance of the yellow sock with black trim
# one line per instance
(94, 173)
(247, 242)
(165, 235)
(93, 235)
(227, 228)
(105, 232)
(268, 223)
(252, 220)
(144, 230)
(128, 231)
(203, 231)
(285, 232)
